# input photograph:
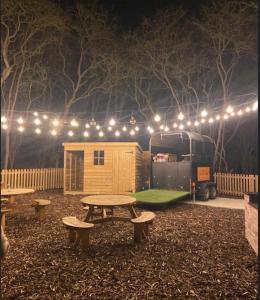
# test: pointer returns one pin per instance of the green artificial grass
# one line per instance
(158, 196)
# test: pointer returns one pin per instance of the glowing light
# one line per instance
(3, 119)
(248, 109)
(132, 132)
(225, 117)
(87, 125)
(151, 131)
(101, 133)
(37, 121)
(97, 127)
(45, 117)
(240, 112)
(232, 114)
(157, 118)
(148, 128)
(196, 123)
(217, 117)
(124, 128)
(117, 133)
(188, 123)
(136, 128)
(109, 128)
(21, 128)
(112, 122)
(255, 105)
(229, 109)
(204, 113)
(162, 127)
(38, 131)
(53, 132)
(35, 114)
(70, 133)
(85, 133)
(181, 126)
(175, 125)
(74, 123)
(4, 126)
(166, 129)
(20, 120)
(180, 116)
(202, 121)
(55, 122)
(211, 120)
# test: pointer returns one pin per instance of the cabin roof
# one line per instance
(112, 144)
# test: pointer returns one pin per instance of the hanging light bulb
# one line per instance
(132, 132)
(151, 131)
(37, 121)
(45, 117)
(225, 117)
(204, 113)
(87, 125)
(166, 129)
(211, 120)
(4, 126)
(97, 127)
(240, 112)
(101, 133)
(157, 118)
(136, 128)
(217, 117)
(55, 122)
(202, 121)
(232, 114)
(3, 119)
(161, 127)
(132, 120)
(21, 128)
(117, 133)
(229, 109)
(112, 122)
(109, 128)
(255, 106)
(248, 109)
(35, 114)
(175, 125)
(53, 132)
(188, 123)
(20, 120)
(74, 123)
(124, 128)
(38, 131)
(70, 133)
(180, 116)
(85, 133)
(148, 128)
(92, 122)
(181, 126)
(196, 123)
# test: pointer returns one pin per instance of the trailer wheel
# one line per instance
(212, 192)
(204, 193)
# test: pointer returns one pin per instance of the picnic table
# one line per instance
(104, 202)
(11, 193)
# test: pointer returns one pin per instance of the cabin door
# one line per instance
(125, 172)
(74, 171)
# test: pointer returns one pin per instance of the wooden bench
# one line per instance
(100, 211)
(40, 205)
(78, 231)
(141, 225)
(4, 211)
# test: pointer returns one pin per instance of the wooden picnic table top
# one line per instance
(13, 192)
(108, 200)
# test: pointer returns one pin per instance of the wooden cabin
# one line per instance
(104, 168)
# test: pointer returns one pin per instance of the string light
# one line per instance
(37, 121)
(188, 123)
(196, 123)
(4, 126)
(166, 129)
(20, 120)
(229, 109)
(204, 113)
(70, 133)
(136, 128)
(148, 128)
(109, 128)
(35, 114)
(38, 131)
(45, 117)
(255, 105)
(112, 122)
(85, 133)
(55, 122)
(21, 128)
(151, 130)
(225, 117)
(240, 112)
(161, 127)
(157, 118)
(132, 132)
(3, 119)
(181, 126)
(211, 120)
(248, 109)
(202, 121)
(101, 133)
(117, 133)
(87, 125)
(180, 116)
(232, 114)
(97, 127)
(53, 132)
(124, 128)
(175, 125)
(217, 117)
(74, 123)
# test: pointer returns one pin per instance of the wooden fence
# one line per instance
(235, 184)
(38, 179)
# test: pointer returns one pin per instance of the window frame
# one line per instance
(98, 158)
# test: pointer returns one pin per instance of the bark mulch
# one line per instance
(194, 252)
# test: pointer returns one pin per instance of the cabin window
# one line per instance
(99, 157)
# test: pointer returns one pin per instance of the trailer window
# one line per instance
(99, 157)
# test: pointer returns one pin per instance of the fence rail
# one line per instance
(38, 179)
(236, 184)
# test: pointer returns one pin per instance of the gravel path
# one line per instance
(194, 252)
